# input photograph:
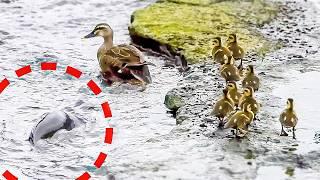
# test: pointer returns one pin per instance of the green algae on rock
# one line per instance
(188, 26)
(172, 101)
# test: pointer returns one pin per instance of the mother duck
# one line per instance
(120, 63)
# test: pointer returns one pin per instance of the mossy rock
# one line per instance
(173, 101)
(188, 26)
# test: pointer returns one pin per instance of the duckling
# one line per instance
(288, 118)
(240, 120)
(124, 63)
(248, 112)
(228, 71)
(233, 46)
(247, 97)
(233, 92)
(223, 107)
(219, 52)
(251, 80)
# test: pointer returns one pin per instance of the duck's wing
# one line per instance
(132, 61)
(134, 52)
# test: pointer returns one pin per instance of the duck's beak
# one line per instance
(90, 35)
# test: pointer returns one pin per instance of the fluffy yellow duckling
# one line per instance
(223, 107)
(248, 98)
(251, 80)
(219, 52)
(228, 71)
(233, 46)
(124, 63)
(288, 119)
(233, 92)
(240, 120)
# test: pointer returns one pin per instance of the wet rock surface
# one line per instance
(187, 27)
(262, 150)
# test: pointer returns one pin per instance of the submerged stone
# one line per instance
(187, 27)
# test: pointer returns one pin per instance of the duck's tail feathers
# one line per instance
(143, 76)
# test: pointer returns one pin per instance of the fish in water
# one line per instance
(51, 123)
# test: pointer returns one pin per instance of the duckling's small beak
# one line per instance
(90, 35)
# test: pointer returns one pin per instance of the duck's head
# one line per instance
(102, 29)
(250, 69)
(248, 91)
(225, 92)
(290, 103)
(231, 85)
(232, 38)
(216, 41)
(246, 107)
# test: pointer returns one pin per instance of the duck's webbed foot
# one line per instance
(237, 133)
(241, 133)
(293, 133)
(283, 133)
(143, 87)
(221, 123)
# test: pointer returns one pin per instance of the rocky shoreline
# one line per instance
(201, 86)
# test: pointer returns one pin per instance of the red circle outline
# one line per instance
(96, 90)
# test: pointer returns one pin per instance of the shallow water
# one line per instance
(304, 91)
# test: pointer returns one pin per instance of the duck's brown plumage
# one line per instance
(233, 46)
(233, 92)
(229, 71)
(124, 63)
(223, 106)
(219, 52)
(251, 80)
(248, 98)
(288, 118)
(240, 119)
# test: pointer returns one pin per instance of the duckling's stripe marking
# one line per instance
(9, 176)
(84, 176)
(106, 110)
(100, 160)
(94, 87)
(73, 72)
(23, 71)
(109, 136)
(48, 66)
(4, 84)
